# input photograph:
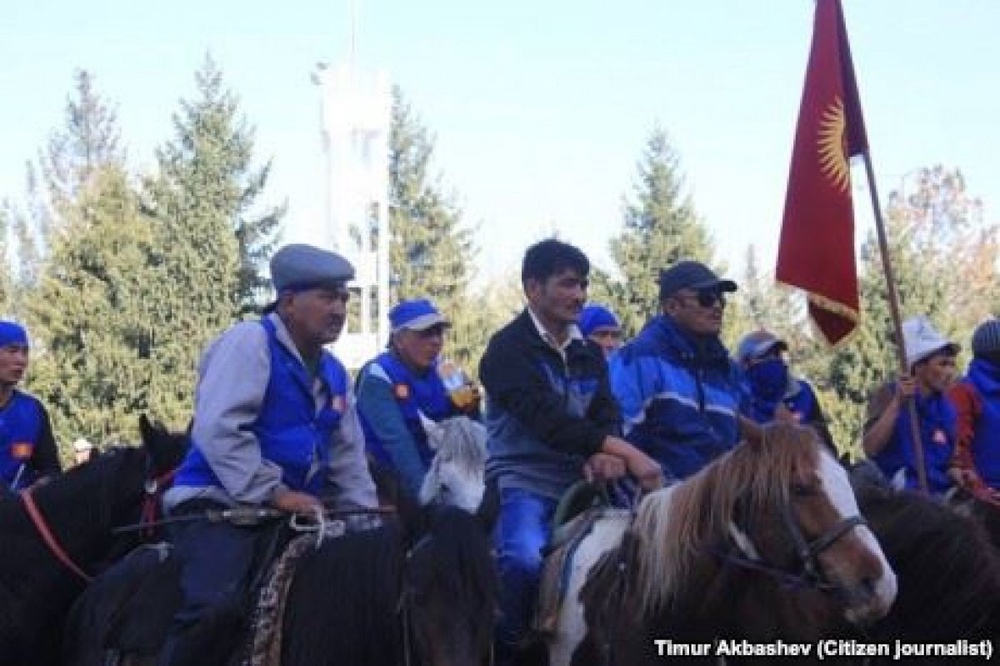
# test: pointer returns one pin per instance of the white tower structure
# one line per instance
(356, 116)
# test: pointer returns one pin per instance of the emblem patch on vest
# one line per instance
(401, 391)
(21, 450)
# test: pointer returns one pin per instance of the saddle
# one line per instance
(579, 509)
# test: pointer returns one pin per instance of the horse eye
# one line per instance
(802, 490)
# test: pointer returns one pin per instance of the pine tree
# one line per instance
(91, 309)
(430, 252)
(207, 246)
(660, 228)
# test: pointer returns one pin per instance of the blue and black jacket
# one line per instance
(544, 416)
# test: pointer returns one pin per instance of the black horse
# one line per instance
(55, 536)
(417, 588)
(947, 568)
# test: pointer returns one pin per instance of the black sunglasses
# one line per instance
(708, 297)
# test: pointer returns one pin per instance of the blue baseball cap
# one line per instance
(594, 316)
(12, 333)
(417, 314)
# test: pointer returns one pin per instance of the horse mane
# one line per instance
(351, 583)
(460, 563)
(675, 526)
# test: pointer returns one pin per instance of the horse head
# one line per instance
(778, 508)
(457, 473)
(449, 585)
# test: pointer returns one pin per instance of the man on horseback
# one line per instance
(600, 324)
(774, 392)
(405, 382)
(27, 447)
(275, 426)
(551, 421)
(680, 392)
(977, 401)
(888, 438)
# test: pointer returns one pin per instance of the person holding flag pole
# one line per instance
(816, 250)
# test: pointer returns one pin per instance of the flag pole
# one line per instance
(897, 323)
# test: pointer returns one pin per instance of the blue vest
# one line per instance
(20, 424)
(937, 418)
(413, 394)
(291, 432)
(985, 379)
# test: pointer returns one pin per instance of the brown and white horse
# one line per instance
(766, 542)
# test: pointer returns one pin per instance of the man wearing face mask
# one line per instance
(775, 393)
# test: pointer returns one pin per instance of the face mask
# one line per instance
(768, 379)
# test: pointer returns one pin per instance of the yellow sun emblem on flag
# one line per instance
(832, 155)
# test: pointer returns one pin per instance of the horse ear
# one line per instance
(489, 506)
(435, 433)
(145, 429)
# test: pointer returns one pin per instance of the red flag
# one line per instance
(816, 252)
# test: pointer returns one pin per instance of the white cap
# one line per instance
(921, 340)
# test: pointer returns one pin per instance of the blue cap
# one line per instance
(596, 316)
(300, 266)
(12, 333)
(418, 314)
(756, 344)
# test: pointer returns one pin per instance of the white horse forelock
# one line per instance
(457, 473)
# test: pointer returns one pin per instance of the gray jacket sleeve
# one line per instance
(348, 463)
(232, 380)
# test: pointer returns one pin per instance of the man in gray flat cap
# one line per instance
(274, 426)
(680, 393)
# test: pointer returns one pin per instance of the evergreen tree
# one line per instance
(75, 155)
(430, 252)
(206, 245)
(91, 310)
(660, 228)
(6, 276)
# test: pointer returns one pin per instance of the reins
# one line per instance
(42, 527)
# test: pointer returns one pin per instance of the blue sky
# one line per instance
(540, 109)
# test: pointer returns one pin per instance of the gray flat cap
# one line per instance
(300, 266)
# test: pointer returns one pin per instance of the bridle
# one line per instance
(152, 489)
(808, 573)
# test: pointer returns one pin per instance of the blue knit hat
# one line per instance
(12, 333)
(596, 316)
(986, 339)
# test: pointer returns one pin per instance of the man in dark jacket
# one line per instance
(551, 420)
(680, 392)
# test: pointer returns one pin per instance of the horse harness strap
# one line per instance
(811, 574)
(808, 551)
(38, 520)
